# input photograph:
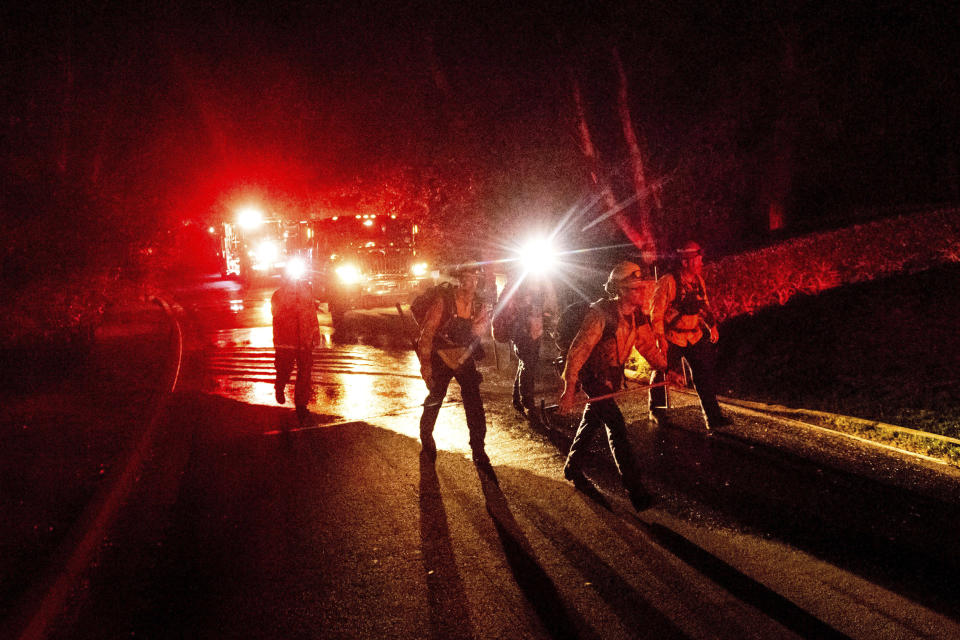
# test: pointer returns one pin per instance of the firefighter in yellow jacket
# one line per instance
(295, 328)
(687, 330)
(610, 330)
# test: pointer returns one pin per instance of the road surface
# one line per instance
(242, 524)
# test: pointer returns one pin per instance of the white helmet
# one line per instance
(623, 274)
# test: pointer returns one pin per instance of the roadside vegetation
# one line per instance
(886, 350)
(859, 322)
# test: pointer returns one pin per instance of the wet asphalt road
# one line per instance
(245, 525)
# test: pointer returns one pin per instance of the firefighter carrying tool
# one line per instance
(611, 329)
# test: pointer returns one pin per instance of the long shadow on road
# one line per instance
(343, 530)
(888, 534)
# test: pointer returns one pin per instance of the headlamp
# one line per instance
(538, 256)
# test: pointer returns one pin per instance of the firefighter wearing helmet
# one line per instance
(448, 348)
(525, 309)
(295, 328)
(610, 330)
(687, 330)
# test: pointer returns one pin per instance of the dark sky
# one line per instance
(168, 106)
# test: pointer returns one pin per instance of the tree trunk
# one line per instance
(780, 175)
(646, 197)
(591, 154)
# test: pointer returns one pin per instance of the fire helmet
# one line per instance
(624, 274)
(689, 250)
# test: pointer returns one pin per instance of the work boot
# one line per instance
(519, 406)
(280, 396)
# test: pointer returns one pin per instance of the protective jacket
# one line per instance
(609, 338)
(451, 336)
(681, 310)
(295, 324)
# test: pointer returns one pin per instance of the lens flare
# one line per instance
(348, 274)
(296, 268)
(538, 256)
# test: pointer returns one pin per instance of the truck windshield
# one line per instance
(346, 233)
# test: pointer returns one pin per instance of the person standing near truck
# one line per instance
(448, 347)
(295, 329)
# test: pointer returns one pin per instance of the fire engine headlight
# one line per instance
(348, 274)
(419, 269)
(267, 252)
(296, 268)
(250, 217)
(538, 256)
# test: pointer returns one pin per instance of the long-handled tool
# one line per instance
(545, 411)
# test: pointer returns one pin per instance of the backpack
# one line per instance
(572, 317)
(424, 300)
(568, 324)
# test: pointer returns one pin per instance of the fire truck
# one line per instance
(368, 261)
(256, 246)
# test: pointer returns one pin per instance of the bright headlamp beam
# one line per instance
(348, 274)
(538, 256)
(267, 252)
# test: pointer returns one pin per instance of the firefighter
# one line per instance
(295, 328)
(687, 329)
(530, 306)
(448, 348)
(611, 329)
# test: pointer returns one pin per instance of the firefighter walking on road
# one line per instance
(295, 328)
(687, 330)
(611, 329)
(530, 306)
(448, 347)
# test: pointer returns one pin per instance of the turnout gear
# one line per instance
(449, 351)
(610, 330)
(525, 308)
(681, 309)
(295, 323)
(295, 328)
(681, 315)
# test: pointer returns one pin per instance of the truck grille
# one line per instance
(391, 263)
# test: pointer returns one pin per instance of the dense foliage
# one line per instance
(749, 282)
